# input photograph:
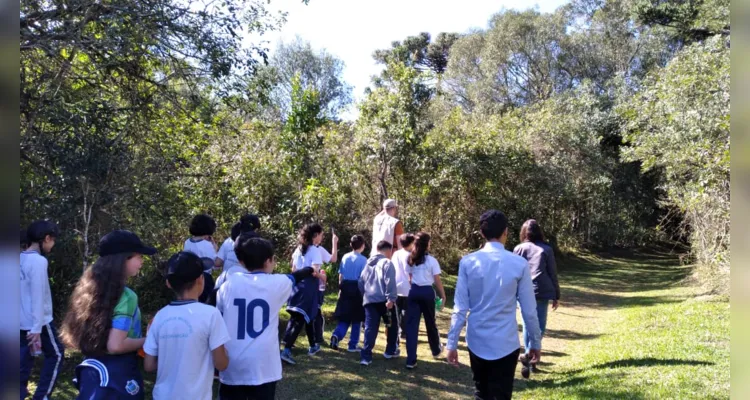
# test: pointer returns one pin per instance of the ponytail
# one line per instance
(306, 234)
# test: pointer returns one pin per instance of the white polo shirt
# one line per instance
(424, 274)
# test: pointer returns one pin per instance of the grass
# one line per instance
(630, 326)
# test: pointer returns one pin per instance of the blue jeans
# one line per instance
(341, 329)
(541, 313)
(54, 353)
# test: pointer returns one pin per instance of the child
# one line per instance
(186, 339)
(424, 271)
(226, 258)
(249, 303)
(400, 260)
(325, 257)
(202, 244)
(304, 304)
(378, 286)
(38, 334)
(104, 321)
(349, 309)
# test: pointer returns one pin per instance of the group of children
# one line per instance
(220, 326)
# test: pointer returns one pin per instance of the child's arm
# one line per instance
(221, 358)
(149, 363)
(341, 279)
(334, 248)
(441, 290)
(119, 342)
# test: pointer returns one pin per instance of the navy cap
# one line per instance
(185, 266)
(122, 241)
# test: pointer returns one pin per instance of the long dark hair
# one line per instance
(306, 234)
(248, 223)
(531, 232)
(89, 319)
(419, 254)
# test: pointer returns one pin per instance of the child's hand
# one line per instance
(334, 239)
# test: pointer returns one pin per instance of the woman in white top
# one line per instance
(424, 271)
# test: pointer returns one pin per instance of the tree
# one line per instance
(390, 125)
(678, 123)
(315, 69)
(420, 52)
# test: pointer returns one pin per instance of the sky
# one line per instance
(353, 29)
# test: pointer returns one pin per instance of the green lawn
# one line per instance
(629, 326)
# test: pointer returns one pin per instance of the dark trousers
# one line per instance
(421, 302)
(494, 378)
(403, 304)
(374, 312)
(319, 324)
(54, 353)
(294, 328)
(266, 391)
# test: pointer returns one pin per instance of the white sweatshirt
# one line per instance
(36, 297)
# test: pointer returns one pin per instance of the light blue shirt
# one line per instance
(352, 265)
(490, 282)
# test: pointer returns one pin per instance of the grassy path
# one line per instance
(628, 327)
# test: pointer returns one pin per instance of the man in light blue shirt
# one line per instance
(490, 282)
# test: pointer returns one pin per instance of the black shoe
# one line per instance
(525, 367)
(334, 342)
(534, 368)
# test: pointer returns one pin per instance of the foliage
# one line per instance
(679, 123)
(606, 120)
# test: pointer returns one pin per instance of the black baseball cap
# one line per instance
(122, 241)
(185, 266)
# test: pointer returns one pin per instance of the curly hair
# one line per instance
(89, 318)
(202, 224)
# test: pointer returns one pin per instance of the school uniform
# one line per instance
(378, 286)
(182, 337)
(205, 250)
(249, 303)
(304, 305)
(114, 376)
(422, 302)
(226, 254)
(400, 260)
(319, 325)
(349, 308)
(36, 317)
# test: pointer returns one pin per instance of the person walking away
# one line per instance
(304, 304)
(349, 308)
(186, 339)
(386, 226)
(424, 271)
(490, 282)
(543, 269)
(378, 286)
(400, 261)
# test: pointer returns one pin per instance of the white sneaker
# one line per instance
(365, 362)
(395, 354)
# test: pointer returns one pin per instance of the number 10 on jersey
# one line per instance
(246, 314)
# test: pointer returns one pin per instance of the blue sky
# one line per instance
(353, 29)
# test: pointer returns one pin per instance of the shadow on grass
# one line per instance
(640, 362)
